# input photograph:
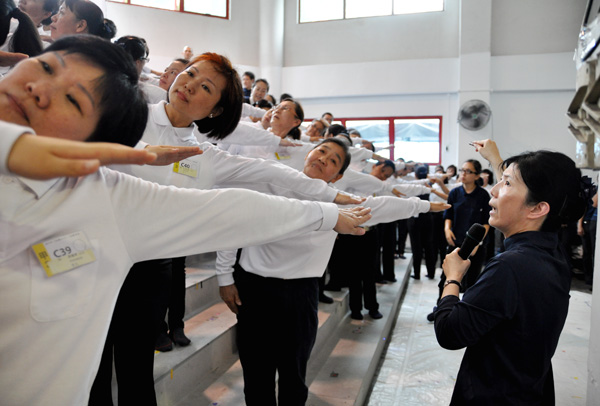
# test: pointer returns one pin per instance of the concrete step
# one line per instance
(340, 371)
(346, 373)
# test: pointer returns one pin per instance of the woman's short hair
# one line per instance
(344, 147)
(123, 107)
(25, 39)
(264, 104)
(490, 176)
(261, 80)
(295, 132)
(134, 46)
(231, 100)
(50, 6)
(453, 167)
(92, 14)
(335, 129)
(389, 163)
(551, 177)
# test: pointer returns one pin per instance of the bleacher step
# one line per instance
(340, 371)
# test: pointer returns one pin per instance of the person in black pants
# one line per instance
(421, 240)
(172, 332)
(293, 305)
(131, 336)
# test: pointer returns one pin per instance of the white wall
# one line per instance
(168, 32)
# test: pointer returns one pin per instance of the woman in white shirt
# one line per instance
(282, 279)
(49, 303)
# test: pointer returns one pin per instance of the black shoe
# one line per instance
(431, 276)
(163, 343)
(332, 288)
(431, 316)
(401, 256)
(323, 298)
(415, 277)
(356, 316)
(179, 338)
(391, 280)
(375, 314)
(381, 282)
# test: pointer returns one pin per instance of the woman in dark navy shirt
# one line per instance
(511, 319)
(469, 205)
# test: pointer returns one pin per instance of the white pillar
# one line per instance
(474, 66)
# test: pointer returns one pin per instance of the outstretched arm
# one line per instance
(40, 157)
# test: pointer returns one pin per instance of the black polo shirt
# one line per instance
(467, 209)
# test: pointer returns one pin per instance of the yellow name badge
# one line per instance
(281, 157)
(186, 167)
(64, 253)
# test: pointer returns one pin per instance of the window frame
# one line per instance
(391, 130)
(180, 4)
(344, 18)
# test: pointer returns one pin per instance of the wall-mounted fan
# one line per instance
(474, 115)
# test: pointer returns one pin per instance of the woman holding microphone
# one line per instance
(510, 320)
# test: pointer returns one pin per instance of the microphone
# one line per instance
(474, 237)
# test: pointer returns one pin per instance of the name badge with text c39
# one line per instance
(64, 253)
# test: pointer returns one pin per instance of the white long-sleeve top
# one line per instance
(153, 93)
(215, 168)
(53, 328)
(249, 110)
(245, 133)
(307, 256)
(359, 158)
(363, 184)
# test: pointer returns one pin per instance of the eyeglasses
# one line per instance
(467, 171)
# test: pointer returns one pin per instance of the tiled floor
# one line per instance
(417, 371)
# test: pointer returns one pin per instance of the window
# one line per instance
(214, 8)
(412, 138)
(327, 10)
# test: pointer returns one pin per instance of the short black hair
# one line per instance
(388, 163)
(335, 129)
(261, 80)
(347, 156)
(285, 96)
(134, 46)
(264, 104)
(50, 6)
(124, 109)
(551, 177)
(249, 74)
(490, 176)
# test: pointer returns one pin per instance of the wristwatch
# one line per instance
(450, 281)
